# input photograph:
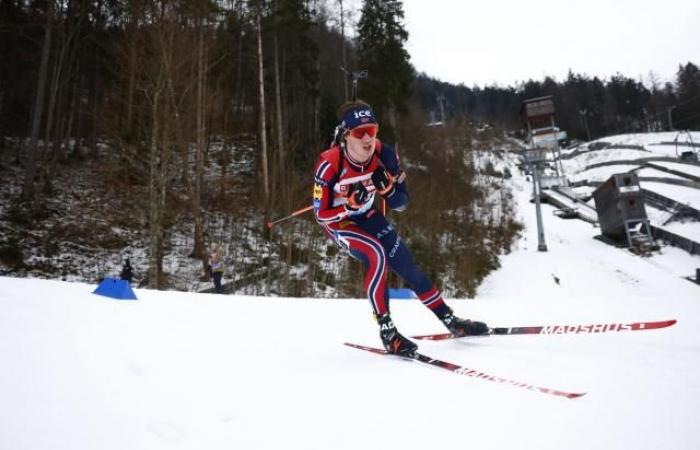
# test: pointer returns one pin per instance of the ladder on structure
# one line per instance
(639, 237)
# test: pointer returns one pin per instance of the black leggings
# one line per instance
(217, 282)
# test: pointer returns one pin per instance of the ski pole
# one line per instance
(294, 214)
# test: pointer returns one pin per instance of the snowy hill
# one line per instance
(197, 371)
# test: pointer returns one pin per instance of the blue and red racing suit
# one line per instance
(366, 234)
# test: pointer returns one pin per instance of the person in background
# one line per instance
(127, 272)
(348, 176)
(216, 263)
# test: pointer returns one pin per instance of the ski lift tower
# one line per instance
(538, 114)
(542, 132)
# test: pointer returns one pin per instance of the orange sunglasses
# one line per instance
(369, 130)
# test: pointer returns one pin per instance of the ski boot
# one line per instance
(464, 327)
(394, 342)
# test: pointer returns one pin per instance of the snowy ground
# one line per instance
(177, 370)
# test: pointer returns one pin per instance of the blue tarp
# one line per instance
(114, 288)
(401, 294)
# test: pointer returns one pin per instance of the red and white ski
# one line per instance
(471, 372)
(564, 329)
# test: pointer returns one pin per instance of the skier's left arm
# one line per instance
(390, 180)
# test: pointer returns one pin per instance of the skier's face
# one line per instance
(360, 142)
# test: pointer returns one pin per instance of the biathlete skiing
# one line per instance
(348, 176)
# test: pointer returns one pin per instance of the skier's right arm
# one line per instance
(324, 181)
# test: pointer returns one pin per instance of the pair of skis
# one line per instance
(555, 329)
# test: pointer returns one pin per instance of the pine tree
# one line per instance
(381, 51)
(687, 115)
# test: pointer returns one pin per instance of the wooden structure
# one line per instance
(621, 214)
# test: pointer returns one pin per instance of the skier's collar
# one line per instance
(357, 165)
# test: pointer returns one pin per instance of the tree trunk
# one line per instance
(316, 131)
(199, 248)
(131, 85)
(44, 156)
(238, 100)
(155, 213)
(278, 111)
(263, 126)
(64, 50)
(29, 188)
(343, 52)
(73, 106)
(96, 86)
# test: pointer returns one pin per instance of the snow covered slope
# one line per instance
(192, 371)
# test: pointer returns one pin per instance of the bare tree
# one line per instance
(263, 126)
(199, 248)
(158, 76)
(29, 188)
(343, 51)
(278, 111)
(66, 65)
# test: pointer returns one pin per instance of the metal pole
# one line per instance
(533, 162)
(557, 150)
(557, 159)
(541, 245)
(356, 75)
(441, 99)
(561, 166)
(270, 224)
(584, 116)
(670, 118)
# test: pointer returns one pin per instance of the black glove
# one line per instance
(357, 197)
(382, 181)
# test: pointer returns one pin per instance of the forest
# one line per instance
(587, 107)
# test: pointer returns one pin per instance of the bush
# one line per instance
(11, 255)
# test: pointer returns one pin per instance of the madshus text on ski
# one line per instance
(549, 330)
(564, 329)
